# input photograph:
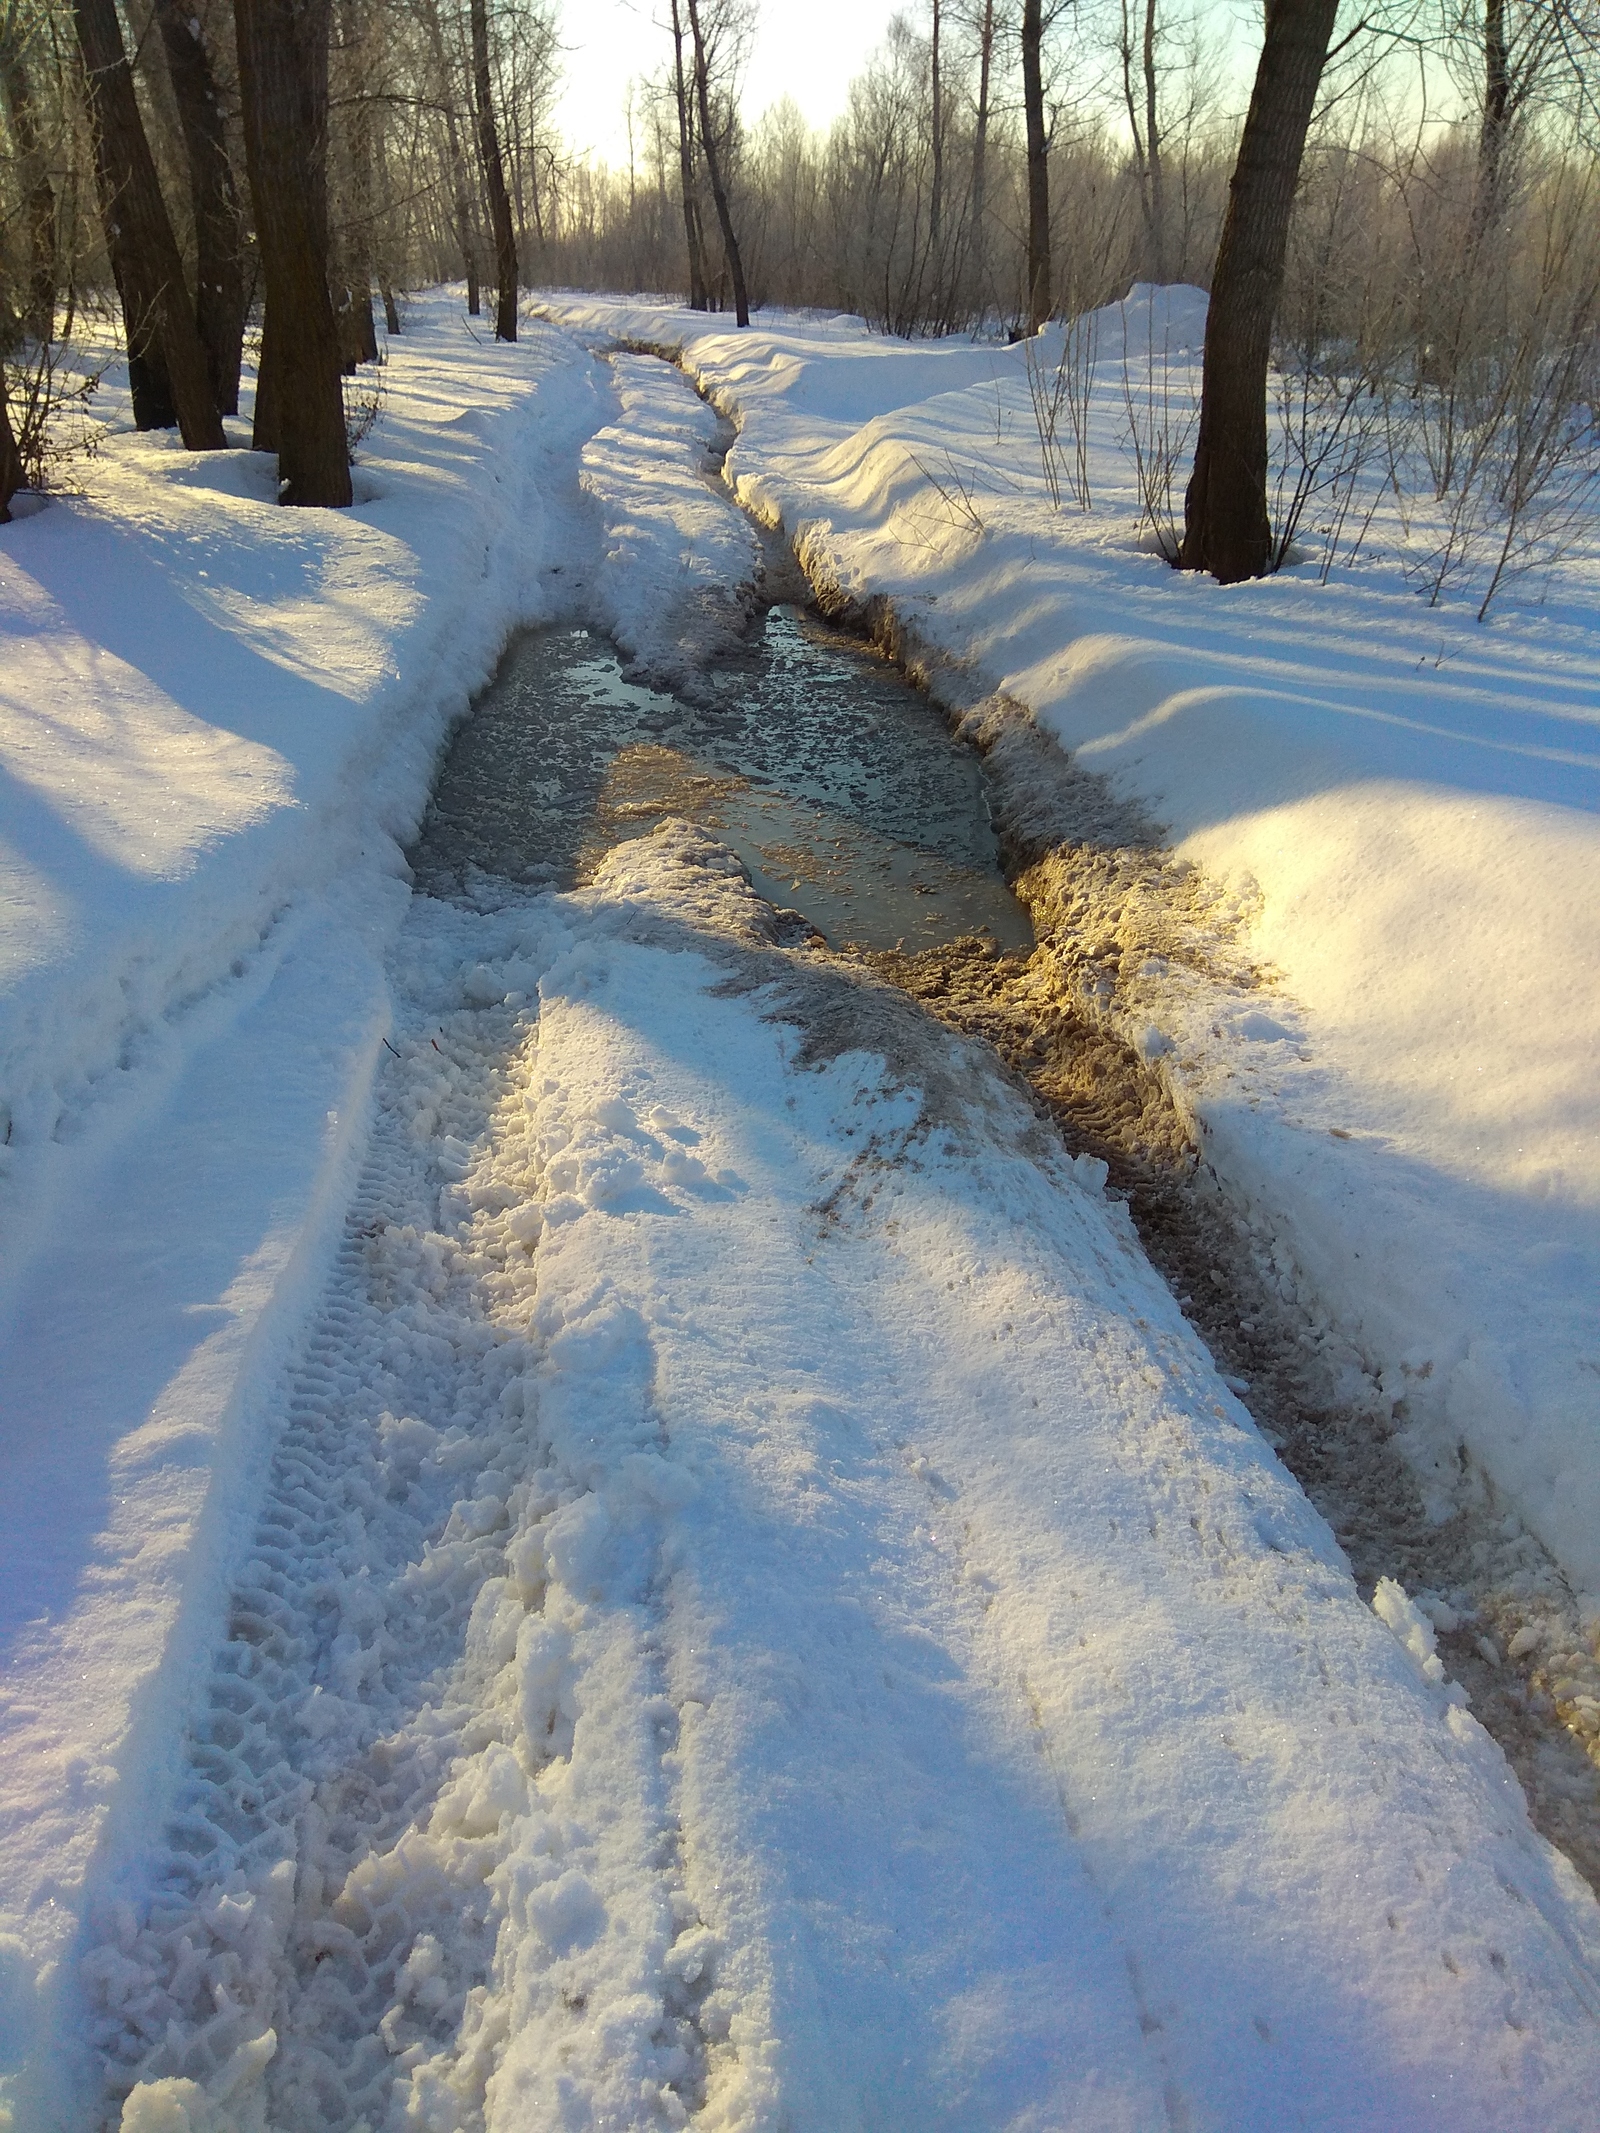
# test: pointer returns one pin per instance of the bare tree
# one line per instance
(166, 361)
(494, 177)
(979, 208)
(1039, 301)
(1519, 55)
(714, 172)
(694, 239)
(1146, 127)
(39, 200)
(214, 199)
(283, 88)
(466, 224)
(936, 133)
(1226, 527)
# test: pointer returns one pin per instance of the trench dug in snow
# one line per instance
(755, 1565)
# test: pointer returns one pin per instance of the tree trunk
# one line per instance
(157, 315)
(10, 458)
(466, 220)
(1131, 106)
(383, 189)
(149, 385)
(980, 141)
(730, 243)
(264, 430)
(494, 174)
(1226, 528)
(358, 333)
(692, 235)
(1039, 298)
(936, 184)
(1155, 198)
(283, 92)
(218, 231)
(1496, 115)
(38, 196)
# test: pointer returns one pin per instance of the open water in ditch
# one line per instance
(838, 785)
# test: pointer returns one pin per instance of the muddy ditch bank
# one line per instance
(1122, 928)
(1122, 925)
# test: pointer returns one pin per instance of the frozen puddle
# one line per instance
(839, 787)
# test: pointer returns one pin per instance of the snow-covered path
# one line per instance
(764, 1611)
(748, 1604)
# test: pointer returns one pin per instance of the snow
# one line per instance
(215, 717)
(1407, 800)
(898, 1686)
(600, 1527)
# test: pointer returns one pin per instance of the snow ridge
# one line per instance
(381, 1790)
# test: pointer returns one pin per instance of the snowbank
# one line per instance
(210, 708)
(674, 584)
(216, 717)
(1411, 799)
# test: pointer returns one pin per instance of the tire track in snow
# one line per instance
(384, 1857)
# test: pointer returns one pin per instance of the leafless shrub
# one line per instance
(1161, 406)
(49, 390)
(364, 393)
(1059, 394)
(1335, 427)
(955, 492)
(52, 374)
(1506, 411)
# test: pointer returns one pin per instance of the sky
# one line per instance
(807, 49)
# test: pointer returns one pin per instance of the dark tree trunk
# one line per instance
(283, 91)
(1156, 197)
(466, 220)
(382, 189)
(1496, 115)
(936, 177)
(38, 196)
(264, 430)
(157, 315)
(494, 178)
(149, 386)
(366, 339)
(691, 206)
(1039, 297)
(218, 230)
(980, 143)
(352, 282)
(1226, 528)
(719, 196)
(10, 458)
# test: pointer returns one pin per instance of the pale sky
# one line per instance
(807, 49)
